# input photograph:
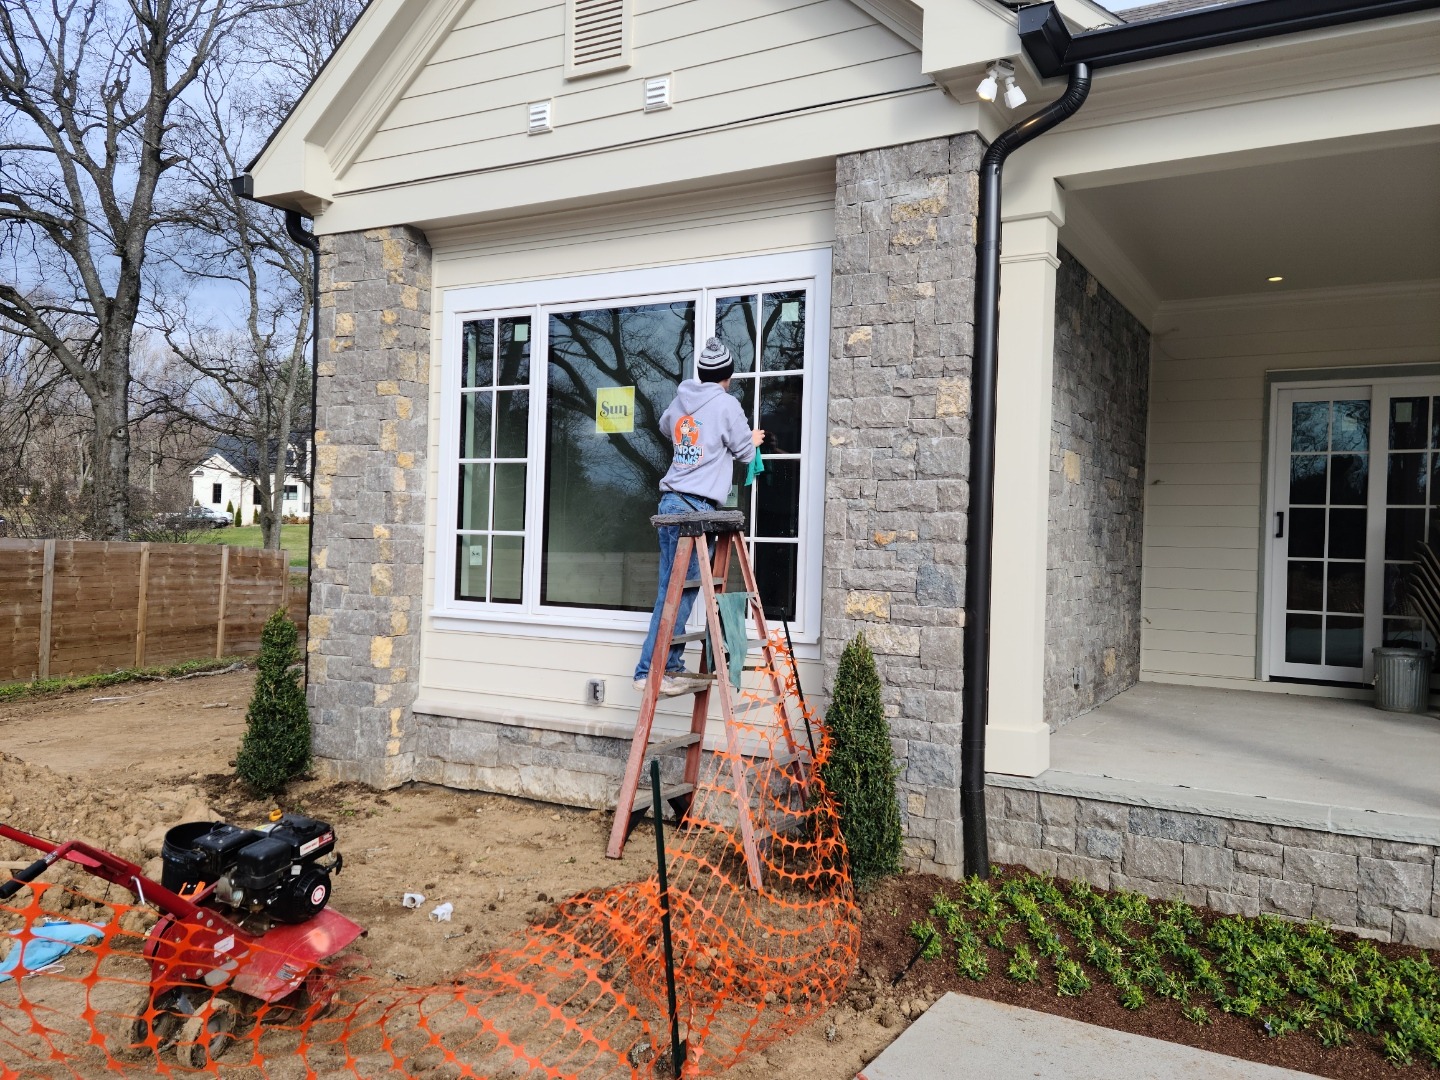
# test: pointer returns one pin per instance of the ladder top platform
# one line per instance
(704, 521)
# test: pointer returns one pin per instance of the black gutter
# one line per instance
(1053, 49)
(975, 699)
(244, 187)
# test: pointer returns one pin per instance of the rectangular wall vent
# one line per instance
(540, 117)
(657, 93)
(597, 36)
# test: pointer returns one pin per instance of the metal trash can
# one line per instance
(1402, 679)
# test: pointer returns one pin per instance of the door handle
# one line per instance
(1280, 524)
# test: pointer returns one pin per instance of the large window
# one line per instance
(554, 449)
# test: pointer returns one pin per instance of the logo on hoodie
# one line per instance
(687, 441)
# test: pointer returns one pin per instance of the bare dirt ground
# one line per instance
(119, 766)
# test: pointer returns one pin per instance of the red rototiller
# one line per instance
(244, 922)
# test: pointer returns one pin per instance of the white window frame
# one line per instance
(808, 269)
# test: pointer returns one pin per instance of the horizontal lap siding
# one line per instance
(1206, 457)
(731, 61)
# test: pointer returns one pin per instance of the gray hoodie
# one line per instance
(708, 430)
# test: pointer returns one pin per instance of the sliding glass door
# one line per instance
(1351, 495)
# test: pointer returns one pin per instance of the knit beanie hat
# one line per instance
(716, 363)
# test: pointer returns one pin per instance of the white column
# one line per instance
(1018, 739)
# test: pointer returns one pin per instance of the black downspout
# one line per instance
(979, 541)
(306, 239)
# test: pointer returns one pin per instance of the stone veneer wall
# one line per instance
(1097, 496)
(896, 472)
(369, 508)
(1379, 888)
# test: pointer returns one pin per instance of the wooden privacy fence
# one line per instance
(74, 607)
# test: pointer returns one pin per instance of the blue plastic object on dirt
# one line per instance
(43, 945)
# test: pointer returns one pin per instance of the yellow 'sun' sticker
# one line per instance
(614, 410)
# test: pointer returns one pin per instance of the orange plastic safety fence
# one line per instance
(579, 995)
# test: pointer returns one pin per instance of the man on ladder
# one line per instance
(709, 431)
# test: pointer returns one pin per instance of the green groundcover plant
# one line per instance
(860, 772)
(1287, 977)
(276, 745)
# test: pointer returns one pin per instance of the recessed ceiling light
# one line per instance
(1274, 279)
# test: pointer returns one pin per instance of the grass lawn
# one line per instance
(295, 539)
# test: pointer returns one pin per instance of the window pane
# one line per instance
(514, 352)
(512, 423)
(775, 575)
(1310, 426)
(1405, 484)
(470, 567)
(1347, 533)
(1344, 641)
(777, 512)
(477, 353)
(1409, 423)
(781, 401)
(1351, 426)
(1349, 479)
(474, 497)
(735, 326)
(1403, 530)
(1303, 589)
(1306, 530)
(1392, 603)
(510, 497)
(1345, 587)
(1404, 633)
(601, 487)
(1302, 639)
(1307, 478)
(475, 424)
(506, 567)
(743, 391)
(784, 332)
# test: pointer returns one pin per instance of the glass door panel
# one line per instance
(1411, 511)
(1321, 547)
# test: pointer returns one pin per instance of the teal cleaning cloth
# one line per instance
(757, 466)
(733, 609)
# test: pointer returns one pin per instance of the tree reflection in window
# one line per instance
(601, 488)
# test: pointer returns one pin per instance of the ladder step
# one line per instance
(665, 746)
(697, 635)
(695, 582)
(644, 798)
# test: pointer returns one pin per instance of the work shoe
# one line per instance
(672, 685)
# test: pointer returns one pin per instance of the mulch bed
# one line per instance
(888, 950)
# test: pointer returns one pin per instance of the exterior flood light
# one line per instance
(989, 88)
(1274, 279)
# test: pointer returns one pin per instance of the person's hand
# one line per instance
(757, 436)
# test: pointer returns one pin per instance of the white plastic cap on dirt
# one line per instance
(442, 912)
(412, 900)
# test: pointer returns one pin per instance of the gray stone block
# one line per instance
(1322, 868)
(1405, 886)
(1422, 931)
(1213, 867)
(1062, 810)
(1233, 903)
(1335, 907)
(1287, 898)
(1171, 825)
(1055, 838)
(1102, 843)
(1154, 859)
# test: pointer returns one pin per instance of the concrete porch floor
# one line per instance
(1320, 763)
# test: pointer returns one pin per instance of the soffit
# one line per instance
(1348, 219)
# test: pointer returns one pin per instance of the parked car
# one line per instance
(197, 517)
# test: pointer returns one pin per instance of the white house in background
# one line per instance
(220, 480)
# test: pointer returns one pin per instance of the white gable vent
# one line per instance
(539, 117)
(597, 36)
(657, 93)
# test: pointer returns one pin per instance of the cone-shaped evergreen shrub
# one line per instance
(861, 770)
(238, 515)
(276, 746)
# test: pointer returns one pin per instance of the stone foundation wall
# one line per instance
(1380, 888)
(1097, 493)
(896, 487)
(369, 508)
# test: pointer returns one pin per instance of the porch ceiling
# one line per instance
(1343, 219)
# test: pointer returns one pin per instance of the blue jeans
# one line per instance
(670, 503)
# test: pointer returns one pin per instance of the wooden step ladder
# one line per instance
(726, 528)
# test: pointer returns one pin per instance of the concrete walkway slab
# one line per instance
(966, 1036)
